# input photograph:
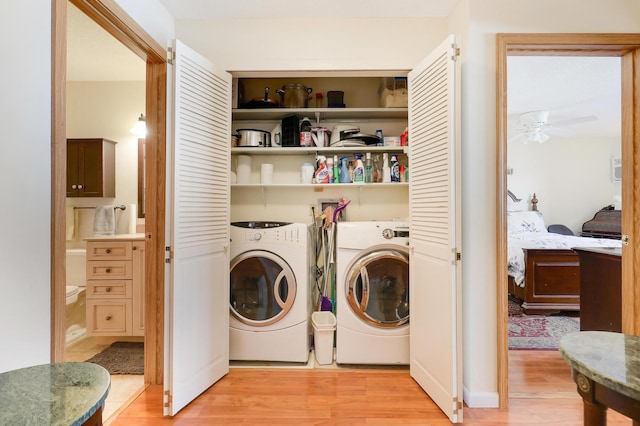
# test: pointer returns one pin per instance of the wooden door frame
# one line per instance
(116, 22)
(627, 47)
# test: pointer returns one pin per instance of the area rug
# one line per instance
(121, 358)
(539, 332)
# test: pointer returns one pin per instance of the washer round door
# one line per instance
(378, 287)
(262, 288)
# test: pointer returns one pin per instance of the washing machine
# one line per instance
(372, 292)
(271, 291)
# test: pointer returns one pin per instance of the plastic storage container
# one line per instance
(324, 325)
(393, 92)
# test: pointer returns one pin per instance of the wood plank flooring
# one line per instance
(541, 393)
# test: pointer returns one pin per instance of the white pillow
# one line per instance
(516, 206)
(527, 221)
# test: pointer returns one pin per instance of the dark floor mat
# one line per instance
(121, 358)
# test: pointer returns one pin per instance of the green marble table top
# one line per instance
(611, 359)
(66, 393)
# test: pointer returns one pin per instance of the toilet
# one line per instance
(77, 267)
(72, 294)
(75, 313)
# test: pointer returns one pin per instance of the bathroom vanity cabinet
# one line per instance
(91, 168)
(115, 285)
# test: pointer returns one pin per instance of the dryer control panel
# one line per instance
(395, 233)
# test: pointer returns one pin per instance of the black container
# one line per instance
(335, 99)
(290, 131)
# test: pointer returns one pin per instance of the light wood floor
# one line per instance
(541, 393)
(124, 388)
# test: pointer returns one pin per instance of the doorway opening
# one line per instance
(119, 25)
(625, 46)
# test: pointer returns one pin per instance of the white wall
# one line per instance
(308, 44)
(571, 177)
(25, 184)
(153, 17)
(107, 110)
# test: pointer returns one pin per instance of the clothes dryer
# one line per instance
(270, 291)
(372, 270)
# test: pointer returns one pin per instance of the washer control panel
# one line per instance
(284, 233)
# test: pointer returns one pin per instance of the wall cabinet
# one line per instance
(115, 287)
(91, 166)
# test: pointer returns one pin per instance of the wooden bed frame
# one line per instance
(551, 281)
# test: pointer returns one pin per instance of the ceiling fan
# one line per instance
(533, 126)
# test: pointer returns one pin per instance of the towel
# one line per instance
(71, 222)
(104, 221)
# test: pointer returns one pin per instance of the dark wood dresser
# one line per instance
(600, 288)
(605, 224)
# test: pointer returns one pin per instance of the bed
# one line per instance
(544, 271)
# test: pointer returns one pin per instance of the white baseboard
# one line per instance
(480, 399)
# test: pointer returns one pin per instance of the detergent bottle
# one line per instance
(358, 170)
(305, 132)
(322, 174)
(336, 170)
(344, 171)
(395, 169)
(386, 171)
(368, 170)
(330, 167)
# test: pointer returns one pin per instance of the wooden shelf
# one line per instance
(303, 150)
(325, 113)
(322, 185)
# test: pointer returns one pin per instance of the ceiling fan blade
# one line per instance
(573, 121)
(554, 131)
(519, 137)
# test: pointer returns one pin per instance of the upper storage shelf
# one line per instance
(313, 150)
(362, 97)
(325, 113)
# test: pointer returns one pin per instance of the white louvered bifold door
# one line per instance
(198, 335)
(434, 279)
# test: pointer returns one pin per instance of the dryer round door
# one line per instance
(378, 287)
(262, 288)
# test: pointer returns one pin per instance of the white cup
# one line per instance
(244, 169)
(306, 173)
(266, 174)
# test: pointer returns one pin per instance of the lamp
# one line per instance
(140, 128)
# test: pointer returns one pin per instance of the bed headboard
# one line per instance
(513, 196)
(534, 200)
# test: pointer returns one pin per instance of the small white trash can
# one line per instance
(324, 324)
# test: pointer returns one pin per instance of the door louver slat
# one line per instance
(430, 167)
(202, 120)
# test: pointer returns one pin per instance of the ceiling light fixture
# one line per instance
(140, 128)
(536, 135)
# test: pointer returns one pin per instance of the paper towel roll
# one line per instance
(133, 217)
(266, 174)
(244, 169)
